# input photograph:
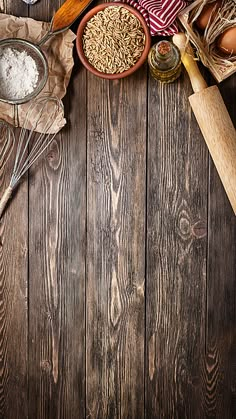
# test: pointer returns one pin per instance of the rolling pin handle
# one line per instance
(187, 57)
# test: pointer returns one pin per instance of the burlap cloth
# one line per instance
(59, 53)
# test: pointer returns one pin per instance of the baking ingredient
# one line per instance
(164, 62)
(113, 40)
(208, 13)
(18, 74)
(227, 41)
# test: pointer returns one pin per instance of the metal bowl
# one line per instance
(40, 60)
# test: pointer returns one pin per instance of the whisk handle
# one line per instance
(5, 198)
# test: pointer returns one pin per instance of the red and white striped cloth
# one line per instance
(159, 15)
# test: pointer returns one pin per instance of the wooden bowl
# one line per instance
(79, 42)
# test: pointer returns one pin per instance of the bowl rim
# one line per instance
(79, 44)
(14, 41)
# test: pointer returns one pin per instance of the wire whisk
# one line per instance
(44, 112)
(7, 141)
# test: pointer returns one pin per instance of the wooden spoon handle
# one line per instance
(67, 14)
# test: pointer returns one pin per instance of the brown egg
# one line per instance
(208, 13)
(227, 41)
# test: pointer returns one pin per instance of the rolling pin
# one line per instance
(213, 120)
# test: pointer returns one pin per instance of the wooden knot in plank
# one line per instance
(199, 229)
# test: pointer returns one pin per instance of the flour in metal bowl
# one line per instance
(113, 40)
(18, 73)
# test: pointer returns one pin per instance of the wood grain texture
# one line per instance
(57, 217)
(117, 266)
(176, 254)
(220, 361)
(13, 301)
(13, 288)
(116, 247)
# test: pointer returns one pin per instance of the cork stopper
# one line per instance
(163, 47)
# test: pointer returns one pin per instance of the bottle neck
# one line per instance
(164, 56)
(164, 50)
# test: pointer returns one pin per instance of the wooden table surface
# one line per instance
(117, 261)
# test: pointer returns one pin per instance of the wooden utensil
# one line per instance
(64, 17)
(68, 13)
(213, 120)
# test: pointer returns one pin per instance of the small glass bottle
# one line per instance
(164, 62)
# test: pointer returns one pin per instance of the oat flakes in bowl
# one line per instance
(113, 40)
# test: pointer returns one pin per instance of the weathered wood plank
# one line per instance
(13, 287)
(176, 254)
(116, 247)
(220, 361)
(188, 374)
(57, 240)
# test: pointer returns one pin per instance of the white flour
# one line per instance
(18, 74)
